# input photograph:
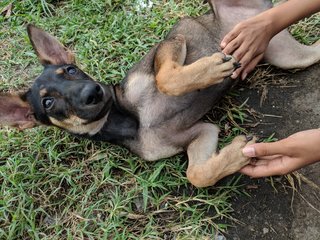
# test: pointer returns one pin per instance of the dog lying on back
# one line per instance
(156, 110)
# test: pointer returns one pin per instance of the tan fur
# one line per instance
(43, 92)
(149, 146)
(203, 173)
(77, 125)
(174, 79)
(136, 85)
(174, 49)
(59, 71)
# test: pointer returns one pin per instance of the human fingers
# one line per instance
(264, 149)
(251, 66)
(255, 160)
(255, 171)
(242, 54)
(266, 168)
(245, 60)
(244, 49)
(229, 37)
(231, 46)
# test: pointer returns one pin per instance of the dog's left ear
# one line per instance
(16, 112)
(48, 48)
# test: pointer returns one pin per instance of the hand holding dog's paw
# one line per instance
(222, 66)
(231, 157)
(284, 156)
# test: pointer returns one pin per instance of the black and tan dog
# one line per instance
(156, 110)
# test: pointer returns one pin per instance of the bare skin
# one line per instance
(284, 156)
(248, 40)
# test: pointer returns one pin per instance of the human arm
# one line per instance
(248, 40)
(284, 156)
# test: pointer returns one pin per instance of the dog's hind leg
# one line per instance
(206, 166)
(174, 78)
(287, 53)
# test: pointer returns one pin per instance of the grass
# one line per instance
(58, 187)
(54, 186)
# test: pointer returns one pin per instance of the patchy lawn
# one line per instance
(58, 187)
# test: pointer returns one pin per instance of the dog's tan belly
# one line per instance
(152, 145)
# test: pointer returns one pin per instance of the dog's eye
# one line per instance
(71, 70)
(47, 102)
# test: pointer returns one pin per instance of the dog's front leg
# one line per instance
(174, 78)
(206, 166)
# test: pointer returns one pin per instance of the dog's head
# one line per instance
(62, 95)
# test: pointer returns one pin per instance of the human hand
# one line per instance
(247, 42)
(284, 156)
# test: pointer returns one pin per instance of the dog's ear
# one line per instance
(16, 112)
(48, 48)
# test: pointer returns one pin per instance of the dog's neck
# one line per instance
(120, 124)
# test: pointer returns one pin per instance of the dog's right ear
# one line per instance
(16, 112)
(48, 48)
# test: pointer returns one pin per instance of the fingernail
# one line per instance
(244, 75)
(249, 151)
(223, 44)
(234, 75)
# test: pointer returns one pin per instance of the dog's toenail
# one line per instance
(226, 59)
(249, 138)
(253, 161)
(236, 65)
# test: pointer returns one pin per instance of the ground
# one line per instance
(274, 210)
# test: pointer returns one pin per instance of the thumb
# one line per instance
(263, 149)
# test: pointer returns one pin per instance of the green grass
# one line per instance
(54, 186)
(58, 187)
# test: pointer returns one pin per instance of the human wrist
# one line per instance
(285, 14)
(269, 23)
(274, 22)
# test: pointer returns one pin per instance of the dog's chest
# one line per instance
(142, 94)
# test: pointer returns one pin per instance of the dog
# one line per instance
(156, 110)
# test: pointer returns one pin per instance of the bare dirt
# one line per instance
(274, 210)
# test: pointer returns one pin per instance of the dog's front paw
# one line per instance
(222, 66)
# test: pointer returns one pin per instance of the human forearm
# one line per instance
(290, 12)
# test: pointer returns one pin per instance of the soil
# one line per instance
(274, 210)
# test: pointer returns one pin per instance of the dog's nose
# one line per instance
(91, 94)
